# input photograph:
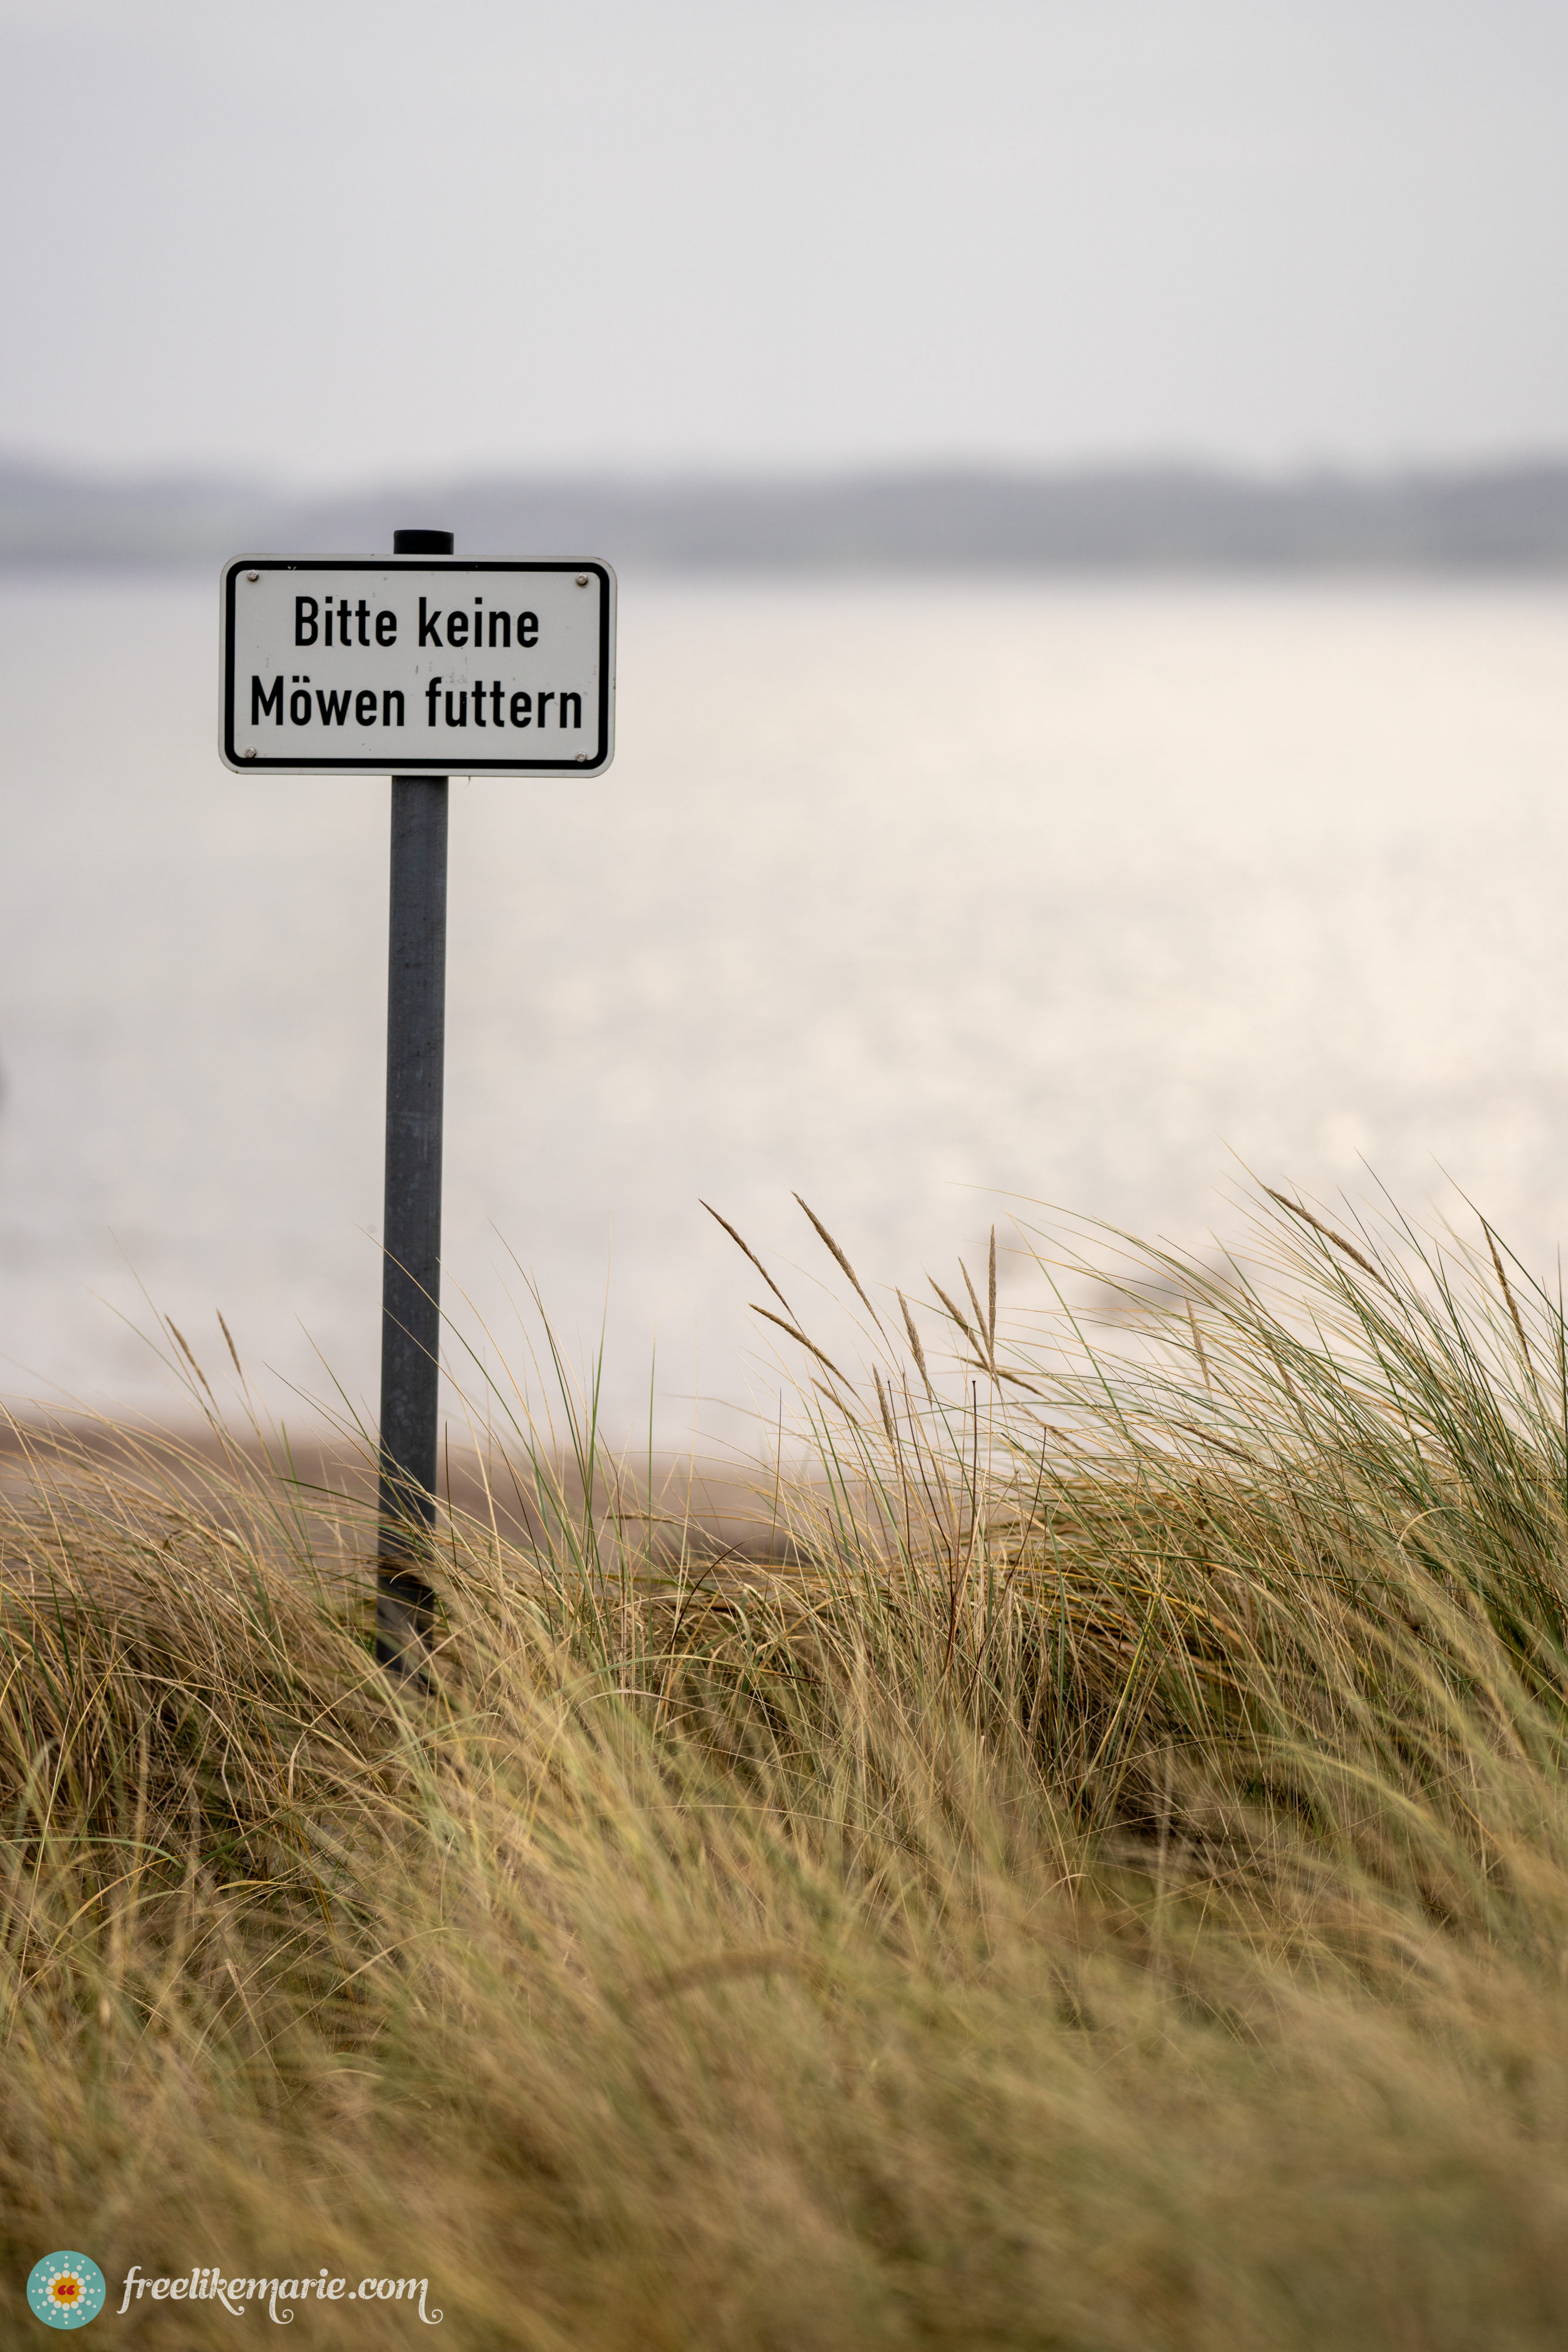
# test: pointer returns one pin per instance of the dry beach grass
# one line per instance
(1106, 1888)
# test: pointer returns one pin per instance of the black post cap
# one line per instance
(422, 542)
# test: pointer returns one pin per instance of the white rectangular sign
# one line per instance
(397, 664)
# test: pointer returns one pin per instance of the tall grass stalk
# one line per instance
(1102, 1881)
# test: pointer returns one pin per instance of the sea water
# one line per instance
(929, 899)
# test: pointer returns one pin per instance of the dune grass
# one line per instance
(1104, 1886)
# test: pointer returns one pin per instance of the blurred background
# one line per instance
(1090, 488)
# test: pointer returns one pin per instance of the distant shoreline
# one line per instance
(1505, 518)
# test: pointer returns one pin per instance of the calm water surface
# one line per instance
(903, 895)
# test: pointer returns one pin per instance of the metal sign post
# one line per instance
(423, 665)
(410, 1229)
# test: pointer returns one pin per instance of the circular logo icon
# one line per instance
(66, 2290)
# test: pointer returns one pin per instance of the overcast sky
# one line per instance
(329, 239)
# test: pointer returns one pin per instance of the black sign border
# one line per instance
(411, 766)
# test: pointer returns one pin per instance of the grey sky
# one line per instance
(336, 237)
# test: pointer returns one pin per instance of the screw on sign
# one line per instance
(418, 667)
